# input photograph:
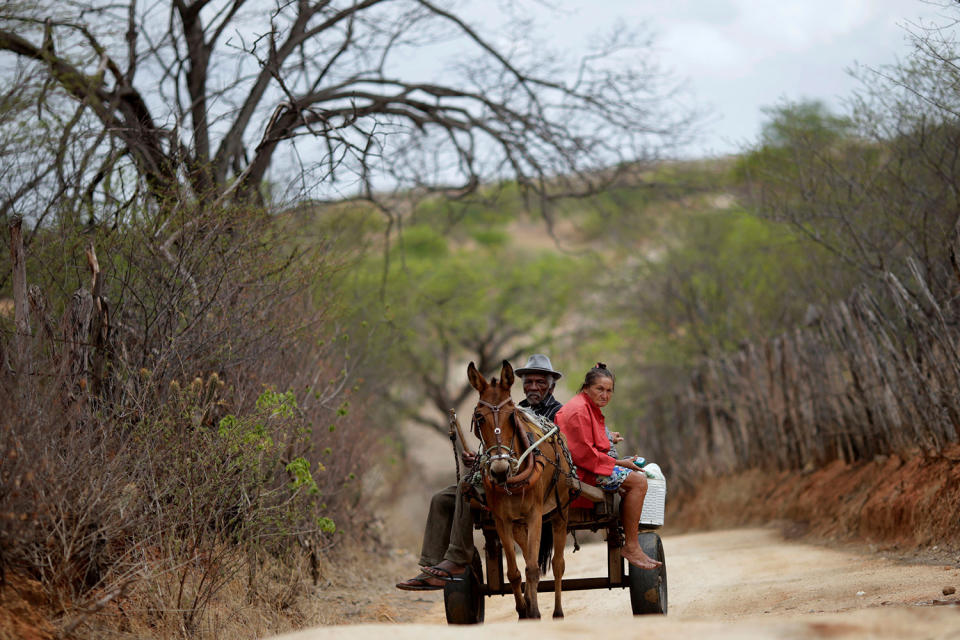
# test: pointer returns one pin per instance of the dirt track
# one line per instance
(729, 584)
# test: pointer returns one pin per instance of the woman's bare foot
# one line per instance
(637, 557)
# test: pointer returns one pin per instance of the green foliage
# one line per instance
(475, 292)
(243, 436)
(618, 215)
(299, 468)
(424, 243)
(253, 435)
(809, 122)
(491, 238)
(727, 276)
(326, 525)
(674, 270)
(711, 279)
(631, 214)
(794, 136)
(251, 450)
(873, 189)
(439, 300)
(283, 405)
(494, 206)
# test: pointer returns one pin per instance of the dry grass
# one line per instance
(355, 586)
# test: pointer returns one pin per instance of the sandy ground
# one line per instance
(728, 584)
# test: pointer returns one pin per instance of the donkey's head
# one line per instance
(492, 422)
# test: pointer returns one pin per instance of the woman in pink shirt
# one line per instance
(582, 423)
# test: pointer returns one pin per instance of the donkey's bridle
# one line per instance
(503, 452)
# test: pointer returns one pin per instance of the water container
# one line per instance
(655, 500)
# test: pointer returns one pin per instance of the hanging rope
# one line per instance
(454, 429)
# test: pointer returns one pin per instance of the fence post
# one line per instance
(21, 304)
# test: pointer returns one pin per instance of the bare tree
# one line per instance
(205, 100)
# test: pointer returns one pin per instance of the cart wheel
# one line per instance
(463, 599)
(648, 588)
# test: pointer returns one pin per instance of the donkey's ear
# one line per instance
(506, 376)
(477, 381)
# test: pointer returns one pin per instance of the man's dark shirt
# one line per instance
(548, 408)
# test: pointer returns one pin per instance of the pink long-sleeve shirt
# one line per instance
(582, 422)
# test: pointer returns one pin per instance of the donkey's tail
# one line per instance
(545, 554)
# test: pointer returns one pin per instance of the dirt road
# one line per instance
(729, 584)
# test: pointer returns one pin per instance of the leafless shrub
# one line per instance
(187, 421)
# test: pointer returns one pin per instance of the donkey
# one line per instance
(518, 485)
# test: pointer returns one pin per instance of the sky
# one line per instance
(738, 56)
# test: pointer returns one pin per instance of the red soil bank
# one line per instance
(911, 500)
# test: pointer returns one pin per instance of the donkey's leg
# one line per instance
(505, 531)
(559, 540)
(531, 548)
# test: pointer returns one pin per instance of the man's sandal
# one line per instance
(436, 572)
(420, 583)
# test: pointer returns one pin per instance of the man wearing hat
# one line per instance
(448, 534)
(539, 380)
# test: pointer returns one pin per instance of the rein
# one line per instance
(546, 436)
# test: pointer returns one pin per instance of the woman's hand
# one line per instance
(628, 464)
(615, 437)
(468, 458)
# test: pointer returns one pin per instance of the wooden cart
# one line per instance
(464, 599)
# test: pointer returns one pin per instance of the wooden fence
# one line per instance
(876, 374)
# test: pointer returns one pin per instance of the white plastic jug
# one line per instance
(655, 501)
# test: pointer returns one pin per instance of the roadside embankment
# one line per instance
(911, 501)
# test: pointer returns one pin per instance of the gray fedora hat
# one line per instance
(538, 363)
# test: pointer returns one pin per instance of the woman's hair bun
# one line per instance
(598, 370)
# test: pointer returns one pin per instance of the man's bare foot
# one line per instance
(637, 557)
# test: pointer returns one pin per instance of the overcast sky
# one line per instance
(741, 55)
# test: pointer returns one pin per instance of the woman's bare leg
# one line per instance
(633, 491)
